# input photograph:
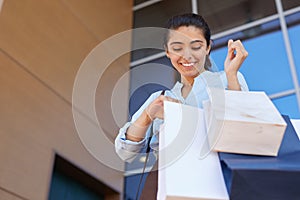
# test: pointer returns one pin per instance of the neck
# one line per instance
(187, 81)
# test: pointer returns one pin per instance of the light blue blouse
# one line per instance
(127, 150)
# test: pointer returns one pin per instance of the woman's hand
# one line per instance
(156, 108)
(235, 57)
(137, 131)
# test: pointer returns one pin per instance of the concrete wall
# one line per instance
(42, 44)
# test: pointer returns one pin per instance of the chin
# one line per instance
(191, 74)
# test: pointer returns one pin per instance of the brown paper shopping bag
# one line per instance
(243, 122)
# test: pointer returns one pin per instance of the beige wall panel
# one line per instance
(42, 45)
(34, 123)
(8, 196)
(52, 38)
(112, 97)
(103, 18)
(25, 166)
(47, 39)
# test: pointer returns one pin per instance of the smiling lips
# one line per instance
(188, 64)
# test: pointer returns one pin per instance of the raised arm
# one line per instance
(235, 57)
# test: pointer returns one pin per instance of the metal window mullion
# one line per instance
(282, 94)
(288, 49)
(245, 26)
(223, 34)
(254, 23)
(215, 36)
(145, 4)
(194, 6)
(147, 59)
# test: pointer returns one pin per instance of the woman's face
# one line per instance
(187, 50)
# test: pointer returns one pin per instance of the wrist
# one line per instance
(134, 138)
(232, 81)
(230, 72)
(144, 120)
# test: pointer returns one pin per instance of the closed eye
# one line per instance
(196, 48)
(197, 44)
(177, 49)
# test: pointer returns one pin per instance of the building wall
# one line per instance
(42, 44)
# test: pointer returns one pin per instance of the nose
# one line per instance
(187, 54)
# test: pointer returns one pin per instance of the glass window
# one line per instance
(253, 32)
(70, 183)
(64, 187)
(139, 96)
(288, 4)
(294, 33)
(288, 106)
(266, 67)
(226, 14)
(149, 78)
(156, 15)
(136, 2)
(293, 19)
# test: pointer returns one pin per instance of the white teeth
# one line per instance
(187, 64)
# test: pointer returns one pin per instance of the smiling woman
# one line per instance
(187, 44)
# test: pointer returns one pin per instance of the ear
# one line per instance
(167, 52)
(209, 48)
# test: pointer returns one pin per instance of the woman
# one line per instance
(187, 45)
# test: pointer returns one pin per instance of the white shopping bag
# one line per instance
(182, 173)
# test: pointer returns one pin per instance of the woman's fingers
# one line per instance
(236, 55)
(156, 108)
(230, 50)
(239, 49)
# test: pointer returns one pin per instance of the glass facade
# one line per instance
(294, 33)
(226, 14)
(156, 15)
(257, 23)
(246, 34)
(137, 2)
(71, 183)
(290, 4)
(272, 73)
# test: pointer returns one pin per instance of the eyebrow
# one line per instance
(176, 43)
(192, 42)
(195, 41)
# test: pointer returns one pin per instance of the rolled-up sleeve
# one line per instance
(241, 79)
(127, 149)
